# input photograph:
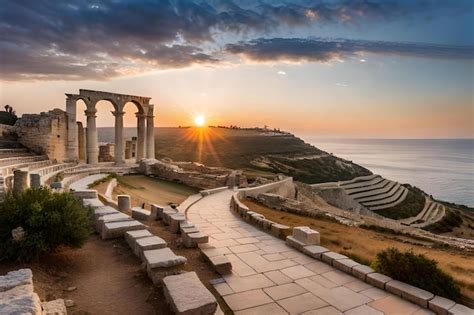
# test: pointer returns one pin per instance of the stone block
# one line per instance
(329, 257)
(132, 236)
(243, 211)
(440, 305)
(174, 221)
(162, 258)
(293, 242)
(86, 194)
(267, 224)
(94, 203)
(255, 217)
(167, 213)
(155, 209)
(148, 243)
(189, 230)
(221, 264)
(115, 217)
(124, 203)
(159, 211)
(20, 300)
(315, 251)
(55, 307)
(409, 292)
(377, 280)
(194, 300)
(280, 230)
(361, 271)
(98, 212)
(16, 278)
(140, 214)
(118, 229)
(460, 309)
(345, 265)
(192, 239)
(306, 235)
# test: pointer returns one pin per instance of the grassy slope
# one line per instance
(242, 148)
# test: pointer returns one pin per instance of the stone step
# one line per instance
(174, 222)
(194, 299)
(162, 258)
(115, 217)
(94, 203)
(118, 229)
(392, 204)
(381, 183)
(98, 212)
(132, 236)
(193, 239)
(148, 243)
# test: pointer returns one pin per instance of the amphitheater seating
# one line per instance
(375, 192)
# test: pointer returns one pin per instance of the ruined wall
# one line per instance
(44, 133)
(284, 187)
(198, 176)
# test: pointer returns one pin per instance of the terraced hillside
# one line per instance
(258, 152)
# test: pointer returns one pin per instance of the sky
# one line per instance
(346, 69)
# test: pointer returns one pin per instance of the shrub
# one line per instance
(49, 220)
(417, 270)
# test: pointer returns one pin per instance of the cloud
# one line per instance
(326, 50)
(74, 39)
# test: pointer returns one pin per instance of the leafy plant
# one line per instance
(417, 270)
(49, 220)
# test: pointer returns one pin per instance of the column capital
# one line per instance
(118, 113)
(91, 112)
(140, 115)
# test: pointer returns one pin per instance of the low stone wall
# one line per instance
(283, 187)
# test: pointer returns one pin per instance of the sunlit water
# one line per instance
(442, 168)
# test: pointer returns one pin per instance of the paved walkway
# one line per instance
(269, 277)
(82, 183)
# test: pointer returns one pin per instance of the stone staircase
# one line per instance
(374, 192)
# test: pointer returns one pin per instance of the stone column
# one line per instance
(72, 143)
(118, 137)
(123, 203)
(92, 146)
(150, 135)
(35, 180)
(81, 140)
(141, 129)
(20, 181)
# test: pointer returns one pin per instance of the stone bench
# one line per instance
(167, 213)
(17, 295)
(132, 236)
(118, 229)
(86, 194)
(140, 214)
(193, 239)
(194, 299)
(303, 236)
(114, 217)
(148, 243)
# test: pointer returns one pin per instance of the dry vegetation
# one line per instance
(363, 245)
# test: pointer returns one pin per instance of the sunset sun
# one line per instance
(199, 121)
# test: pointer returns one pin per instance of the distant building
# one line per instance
(106, 152)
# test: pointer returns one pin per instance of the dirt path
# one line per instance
(108, 278)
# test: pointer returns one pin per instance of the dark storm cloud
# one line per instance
(324, 50)
(73, 39)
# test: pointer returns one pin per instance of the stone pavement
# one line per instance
(269, 277)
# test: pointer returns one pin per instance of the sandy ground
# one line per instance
(108, 277)
(364, 244)
(149, 190)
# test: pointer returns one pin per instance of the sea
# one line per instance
(443, 168)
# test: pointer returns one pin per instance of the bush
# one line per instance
(417, 270)
(49, 220)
